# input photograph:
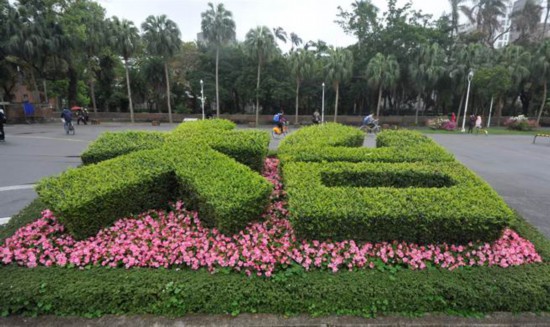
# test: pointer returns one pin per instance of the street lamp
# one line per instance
(202, 99)
(470, 76)
(323, 106)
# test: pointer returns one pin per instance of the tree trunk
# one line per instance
(418, 98)
(543, 101)
(460, 108)
(499, 111)
(92, 91)
(336, 102)
(379, 99)
(297, 99)
(545, 21)
(46, 93)
(73, 81)
(217, 86)
(131, 107)
(168, 100)
(258, 94)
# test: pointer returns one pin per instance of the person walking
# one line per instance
(471, 123)
(479, 123)
(2, 122)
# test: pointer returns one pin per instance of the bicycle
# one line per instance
(371, 128)
(276, 132)
(69, 128)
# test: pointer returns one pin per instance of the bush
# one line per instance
(111, 145)
(94, 196)
(521, 123)
(441, 123)
(413, 202)
(416, 192)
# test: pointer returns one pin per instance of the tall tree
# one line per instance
(361, 21)
(455, 4)
(295, 40)
(260, 43)
(280, 34)
(339, 68)
(382, 72)
(426, 69)
(486, 15)
(218, 28)
(126, 39)
(162, 37)
(301, 65)
(526, 21)
(542, 72)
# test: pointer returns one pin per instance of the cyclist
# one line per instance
(67, 116)
(280, 121)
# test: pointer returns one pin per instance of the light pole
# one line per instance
(202, 99)
(323, 106)
(470, 76)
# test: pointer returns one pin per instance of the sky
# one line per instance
(309, 19)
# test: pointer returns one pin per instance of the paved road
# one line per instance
(516, 168)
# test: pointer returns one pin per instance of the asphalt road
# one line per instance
(516, 168)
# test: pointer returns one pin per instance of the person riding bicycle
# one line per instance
(82, 116)
(67, 116)
(369, 121)
(280, 121)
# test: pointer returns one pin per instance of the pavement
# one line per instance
(511, 164)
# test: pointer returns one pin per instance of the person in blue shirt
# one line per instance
(67, 115)
(369, 120)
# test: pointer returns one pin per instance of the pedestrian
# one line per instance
(453, 117)
(2, 122)
(479, 122)
(316, 118)
(471, 123)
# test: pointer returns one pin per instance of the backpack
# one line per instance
(276, 118)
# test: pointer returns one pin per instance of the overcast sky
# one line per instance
(310, 19)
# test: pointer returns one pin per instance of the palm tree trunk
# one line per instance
(336, 102)
(379, 99)
(460, 108)
(92, 91)
(258, 94)
(545, 20)
(543, 102)
(297, 99)
(129, 92)
(418, 98)
(73, 86)
(499, 111)
(168, 100)
(217, 86)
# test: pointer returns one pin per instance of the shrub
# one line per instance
(441, 123)
(521, 123)
(111, 145)
(92, 197)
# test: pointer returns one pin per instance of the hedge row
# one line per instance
(247, 147)
(100, 291)
(113, 144)
(407, 189)
(413, 202)
(227, 195)
(334, 142)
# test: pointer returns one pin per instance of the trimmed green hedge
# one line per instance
(334, 142)
(101, 291)
(414, 202)
(184, 164)
(113, 144)
(406, 189)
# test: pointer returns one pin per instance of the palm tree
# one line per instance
(301, 65)
(426, 69)
(546, 15)
(280, 34)
(542, 70)
(260, 43)
(382, 72)
(218, 29)
(296, 40)
(526, 22)
(339, 68)
(486, 14)
(162, 36)
(455, 4)
(126, 39)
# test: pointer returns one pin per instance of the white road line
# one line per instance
(48, 138)
(17, 187)
(4, 220)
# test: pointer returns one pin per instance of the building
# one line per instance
(505, 29)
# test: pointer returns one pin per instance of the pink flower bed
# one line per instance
(177, 238)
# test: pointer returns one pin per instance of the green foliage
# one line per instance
(100, 291)
(226, 193)
(110, 145)
(413, 202)
(492, 82)
(408, 188)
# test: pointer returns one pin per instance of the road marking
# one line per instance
(48, 138)
(4, 220)
(17, 187)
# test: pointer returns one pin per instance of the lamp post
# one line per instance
(202, 99)
(470, 76)
(323, 105)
